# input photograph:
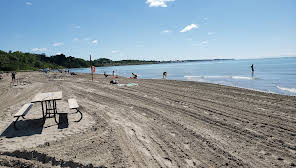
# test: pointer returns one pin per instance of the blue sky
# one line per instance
(150, 29)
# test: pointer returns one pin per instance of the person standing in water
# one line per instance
(164, 75)
(252, 67)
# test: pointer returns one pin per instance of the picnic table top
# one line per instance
(40, 97)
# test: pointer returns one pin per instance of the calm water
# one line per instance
(277, 75)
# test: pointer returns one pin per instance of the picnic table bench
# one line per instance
(22, 112)
(74, 105)
(49, 101)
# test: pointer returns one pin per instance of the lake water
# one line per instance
(277, 75)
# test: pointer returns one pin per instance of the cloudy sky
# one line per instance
(150, 29)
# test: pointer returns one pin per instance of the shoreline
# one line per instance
(156, 123)
(268, 92)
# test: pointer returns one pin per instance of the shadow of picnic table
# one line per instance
(26, 127)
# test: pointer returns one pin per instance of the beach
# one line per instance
(155, 123)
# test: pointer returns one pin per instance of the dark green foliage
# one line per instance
(15, 61)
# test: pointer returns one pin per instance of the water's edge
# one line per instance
(256, 90)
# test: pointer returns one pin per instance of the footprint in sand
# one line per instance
(186, 146)
(192, 163)
(168, 162)
(131, 131)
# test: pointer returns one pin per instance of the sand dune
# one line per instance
(157, 123)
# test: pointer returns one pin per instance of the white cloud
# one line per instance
(77, 27)
(29, 3)
(86, 39)
(115, 52)
(57, 44)
(58, 53)
(211, 33)
(38, 49)
(75, 39)
(95, 42)
(166, 31)
(189, 27)
(158, 3)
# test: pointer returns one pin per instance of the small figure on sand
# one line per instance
(252, 67)
(164, 75)
(114, 75)
(113, 82)
(105, 75)
(135, 76)
(13, 76)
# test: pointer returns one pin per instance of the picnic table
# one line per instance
(48, 102)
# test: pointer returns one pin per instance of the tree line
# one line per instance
(16, 61)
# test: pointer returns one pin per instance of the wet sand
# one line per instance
(158, 123)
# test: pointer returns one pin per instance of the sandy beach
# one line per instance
(156, 123)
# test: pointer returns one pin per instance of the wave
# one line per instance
(292, 90)
(223, 77)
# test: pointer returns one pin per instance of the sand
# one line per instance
(156, 123)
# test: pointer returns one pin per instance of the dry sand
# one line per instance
(158, 123)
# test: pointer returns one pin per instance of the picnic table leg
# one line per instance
(51, 107)
(15, 122)
(48, 108)
(78, 111)
(55, 111)
(44, 116)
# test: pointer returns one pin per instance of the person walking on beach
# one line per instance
(13, 76)
(164, 75)
(252, 67)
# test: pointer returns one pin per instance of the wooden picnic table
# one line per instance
(49, 101)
